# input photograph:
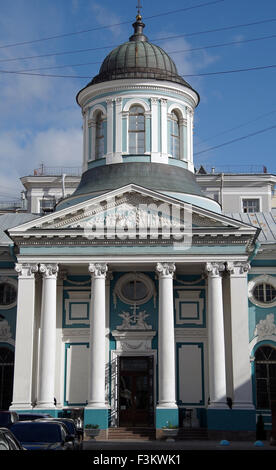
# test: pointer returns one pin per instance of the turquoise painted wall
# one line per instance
(256, 313)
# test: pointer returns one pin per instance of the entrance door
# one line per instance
(6, 377)
(136, 391)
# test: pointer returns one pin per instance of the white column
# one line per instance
(164, 130)
(242, 387)
(47, 349)
(23, 367)
(109, 131)
(190, 120)
(166, 340)
(85, 140)
(91, 151)
(216, 342)
(155, 155)
(118, 136)
(96, 392)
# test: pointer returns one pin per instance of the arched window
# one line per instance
(175, 135)
(265, 370)
(99, 150)
(136, 130)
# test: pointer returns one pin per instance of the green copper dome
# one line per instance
(138, 58)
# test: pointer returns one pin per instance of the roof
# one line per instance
(12, 220)
(155, 176)
(266, 221)
(138, 58)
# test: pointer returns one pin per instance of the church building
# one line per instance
(137, 299)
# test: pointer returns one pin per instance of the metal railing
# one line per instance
(233, 169)
(58, 171)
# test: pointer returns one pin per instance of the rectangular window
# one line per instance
(251, 205)
(47, 204)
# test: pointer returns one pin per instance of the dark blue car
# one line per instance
(38, 435)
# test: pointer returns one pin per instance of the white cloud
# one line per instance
(21, 152)
(105, 16)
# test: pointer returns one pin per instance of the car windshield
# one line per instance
(70, 427)
(38, 432)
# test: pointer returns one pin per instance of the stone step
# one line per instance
(193, 433)
(128, 433)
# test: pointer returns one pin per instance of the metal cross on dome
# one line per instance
(139, 6)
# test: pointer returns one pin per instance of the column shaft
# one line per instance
(47, 355)
(216, 342)
(96, 398)
(166, 340)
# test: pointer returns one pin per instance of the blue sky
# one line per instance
(41, 122)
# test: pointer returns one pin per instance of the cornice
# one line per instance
(153, 86)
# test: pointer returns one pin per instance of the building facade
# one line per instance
(138, 299)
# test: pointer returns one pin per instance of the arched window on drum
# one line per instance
(99, 144)
(136, 130)
(175, 135)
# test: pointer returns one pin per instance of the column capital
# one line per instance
(26, 270)
(237, 268)
(49, 270)
(98, 270)
(214, 269)
(165, 269)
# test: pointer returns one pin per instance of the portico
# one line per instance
(39, 386)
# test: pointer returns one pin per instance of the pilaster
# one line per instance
(241, 379)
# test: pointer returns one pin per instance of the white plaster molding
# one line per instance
(137, 341)
(266, 328)
(98, 270)
(214, 269)
(49, 270)
(237, 268)
(134, 101)
(26, 270)
(165, 269)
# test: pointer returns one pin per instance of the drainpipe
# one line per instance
(221, 189)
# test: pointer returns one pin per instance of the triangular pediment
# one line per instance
(131, 209)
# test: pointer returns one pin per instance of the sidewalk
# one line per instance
(187, 445)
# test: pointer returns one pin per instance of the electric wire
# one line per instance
(110, 25)
(231, 43)
(235, 140)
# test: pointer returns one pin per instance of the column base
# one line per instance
(96, 416)
(166, 417)
(21, 406)
(219, 405)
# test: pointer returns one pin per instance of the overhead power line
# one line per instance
(236, 140)
(248, 69)
(221, 72)
(189, 50)
(193, 49)
(74, 33)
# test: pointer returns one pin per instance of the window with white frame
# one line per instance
(265, 373)
(262, 291)
(175, 135)
(251, 205)
(136, 130)
(99, 147)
